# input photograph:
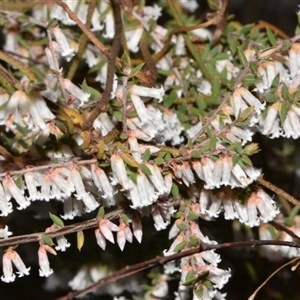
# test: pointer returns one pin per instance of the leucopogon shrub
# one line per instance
(131, 115)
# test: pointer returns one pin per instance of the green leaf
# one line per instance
(129, 160)
(203, 275)
(18, 181)
(52, 23)
(56, 220)
(88, 89)
(182, 227)
(246, 113)
(213, 143)
(123, 136)
(131, 114)
(235, 159)
(146, 155)
(125, 219)
(136, 70)
(283, 111)
(196, 154)
(118, 115)
(247, 160)
(189, 279)
(47, 240)
(169, 99)
(167, 157)
(159, 161)
(80, 239)
(126, 61)
(208, 284)
(271, 37)
(242, 57)
(146, 170)
(193, 216)
(233, 45)
(101, 212)
(133, 176)
(175, 190)
(194, 241)
(179, 247)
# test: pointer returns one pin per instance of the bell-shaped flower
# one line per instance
(45, 270)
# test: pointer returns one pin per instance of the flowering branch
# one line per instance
(161, 260)
(35, 237)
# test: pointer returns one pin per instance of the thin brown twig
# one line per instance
(160, 260)
(278, 191)
(82, 26)
(103, 101)
(281, 227)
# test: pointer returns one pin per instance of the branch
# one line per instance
(102, 104)
(160, 260)
(278, 191)
(35, 237)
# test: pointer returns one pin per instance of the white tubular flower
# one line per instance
(18, 262)
(157, 179)
(106, 227)
(27, 111)
(268, 126)
(187, 174)
(189, 5)
(108, 22)
(62, 243)
(294, 59)
(291, 125)
(145, 190)
(12, 256)
(159, 222)
(210, 204)
(90, 202)
(4, 232)
(237, 134)
(119, 171)
(137, 228)
(75, 91)
(265, 205)
(170, 129)
(58, 13)
(134, 146)
(251, 100)
(140, 108)
(31, 185)
(72, 208)
(78, 183)
(103, 184)
(101, 241)
(8, 275)
(65, 186)
(148, 92)
(5, 205)
(65, 49)
(45, 270)
(194, 130)
(207, 169)
(12, 190)
(124, 234)
(104, 123)
(133, 38)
